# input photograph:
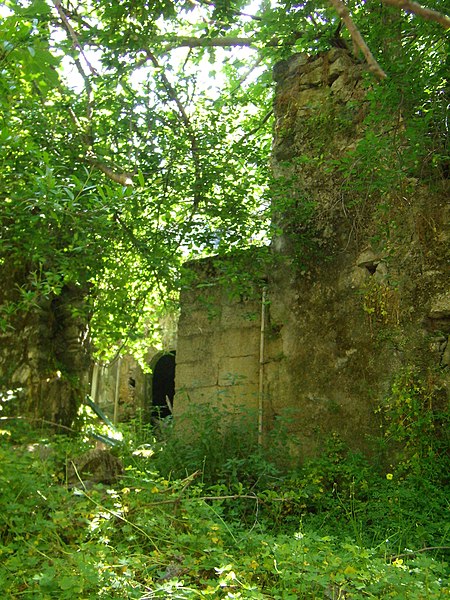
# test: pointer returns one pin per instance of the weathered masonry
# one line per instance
(44, 355)
(356, 294)
(124, 391)
(219, 345)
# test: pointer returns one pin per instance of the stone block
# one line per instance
(246, 314)
(440, 306)
(193, 348)
(197, 321)
(445, 362)
(309, 100)
(196, 374)
(21, 375)
(238, 342)
(240, 399)
(187, 397)
(241, 371)
(340, 65)
(313, 78)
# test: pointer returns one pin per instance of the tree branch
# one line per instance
(257, 128)
(187, 124)
(72, 34)
(195, 42)
(357, 38)
(426, 13)
(87, 84)
(122, 178)
(249, 71)
(172, 43)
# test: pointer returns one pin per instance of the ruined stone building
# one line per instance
(352, 296)
(354, 293)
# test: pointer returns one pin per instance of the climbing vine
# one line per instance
(381, 304)
(416, 421)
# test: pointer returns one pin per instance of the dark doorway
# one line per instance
(163, 385)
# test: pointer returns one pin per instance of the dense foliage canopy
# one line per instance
(135, 134)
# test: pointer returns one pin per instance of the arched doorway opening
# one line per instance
(163, 386)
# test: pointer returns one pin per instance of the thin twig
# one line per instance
(196, 42)
(426, 13)
(247, 73)
(38, 420)
(231, 497)
(205, 498)
(226, 42)
(112, 512)
(257, 128)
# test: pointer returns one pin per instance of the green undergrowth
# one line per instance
(211, 515)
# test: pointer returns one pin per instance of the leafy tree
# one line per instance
(136, 135)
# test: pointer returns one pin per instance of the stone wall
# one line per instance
(44, 355)
(355, 294)
(218, 344)
(119, 388)
(123, 389)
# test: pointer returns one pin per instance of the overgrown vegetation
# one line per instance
(134, 136)
(217, 517)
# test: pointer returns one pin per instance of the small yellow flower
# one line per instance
(389, 476)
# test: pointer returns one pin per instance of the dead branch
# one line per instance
(426, 13)
(357, 38)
